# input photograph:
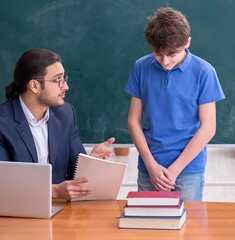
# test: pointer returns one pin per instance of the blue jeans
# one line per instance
(189, 185)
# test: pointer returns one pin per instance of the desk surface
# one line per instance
(98, 220)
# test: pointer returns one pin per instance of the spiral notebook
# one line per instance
(104, 176)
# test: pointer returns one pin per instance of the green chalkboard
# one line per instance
(99, 40)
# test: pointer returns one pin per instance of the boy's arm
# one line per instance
(159, 175)
(207, 116)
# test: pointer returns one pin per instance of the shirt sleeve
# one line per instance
(210, 88)
(133, 84)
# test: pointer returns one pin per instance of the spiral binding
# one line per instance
(75, 167)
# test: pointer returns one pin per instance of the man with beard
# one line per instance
(37, 125)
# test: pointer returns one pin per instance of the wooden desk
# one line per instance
(98, 220)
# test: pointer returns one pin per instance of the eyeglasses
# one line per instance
(60, 80)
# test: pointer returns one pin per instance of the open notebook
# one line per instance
(104, 176)
(26, 190)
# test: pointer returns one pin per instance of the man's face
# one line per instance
(53, 93)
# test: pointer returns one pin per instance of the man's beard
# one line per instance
(47, 101)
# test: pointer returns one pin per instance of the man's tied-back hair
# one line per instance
(31, 65)
(167, 31)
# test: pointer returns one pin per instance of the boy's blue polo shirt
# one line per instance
(170, 101)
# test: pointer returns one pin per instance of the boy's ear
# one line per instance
(188, 43)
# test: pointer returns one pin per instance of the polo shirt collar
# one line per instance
(186, 61)
(182, 66)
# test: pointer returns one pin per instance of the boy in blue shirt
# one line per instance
(173, 95)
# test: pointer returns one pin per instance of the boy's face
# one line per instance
(170, 61)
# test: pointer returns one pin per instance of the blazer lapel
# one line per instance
(24, 130)
(54, 127)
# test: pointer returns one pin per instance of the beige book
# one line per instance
(104, 176)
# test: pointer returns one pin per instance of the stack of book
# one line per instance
(153, 210)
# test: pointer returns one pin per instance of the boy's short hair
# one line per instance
(167, 31)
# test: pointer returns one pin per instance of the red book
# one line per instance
(153, 198)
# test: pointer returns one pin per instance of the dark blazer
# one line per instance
(17, 144)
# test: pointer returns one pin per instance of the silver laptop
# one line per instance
(26, 190)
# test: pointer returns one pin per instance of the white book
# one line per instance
(169, 210)
(104, 176)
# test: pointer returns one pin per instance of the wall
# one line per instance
(219, 176)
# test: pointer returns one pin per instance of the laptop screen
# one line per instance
(25, 190)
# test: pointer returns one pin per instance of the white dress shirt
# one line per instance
(39, 131)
